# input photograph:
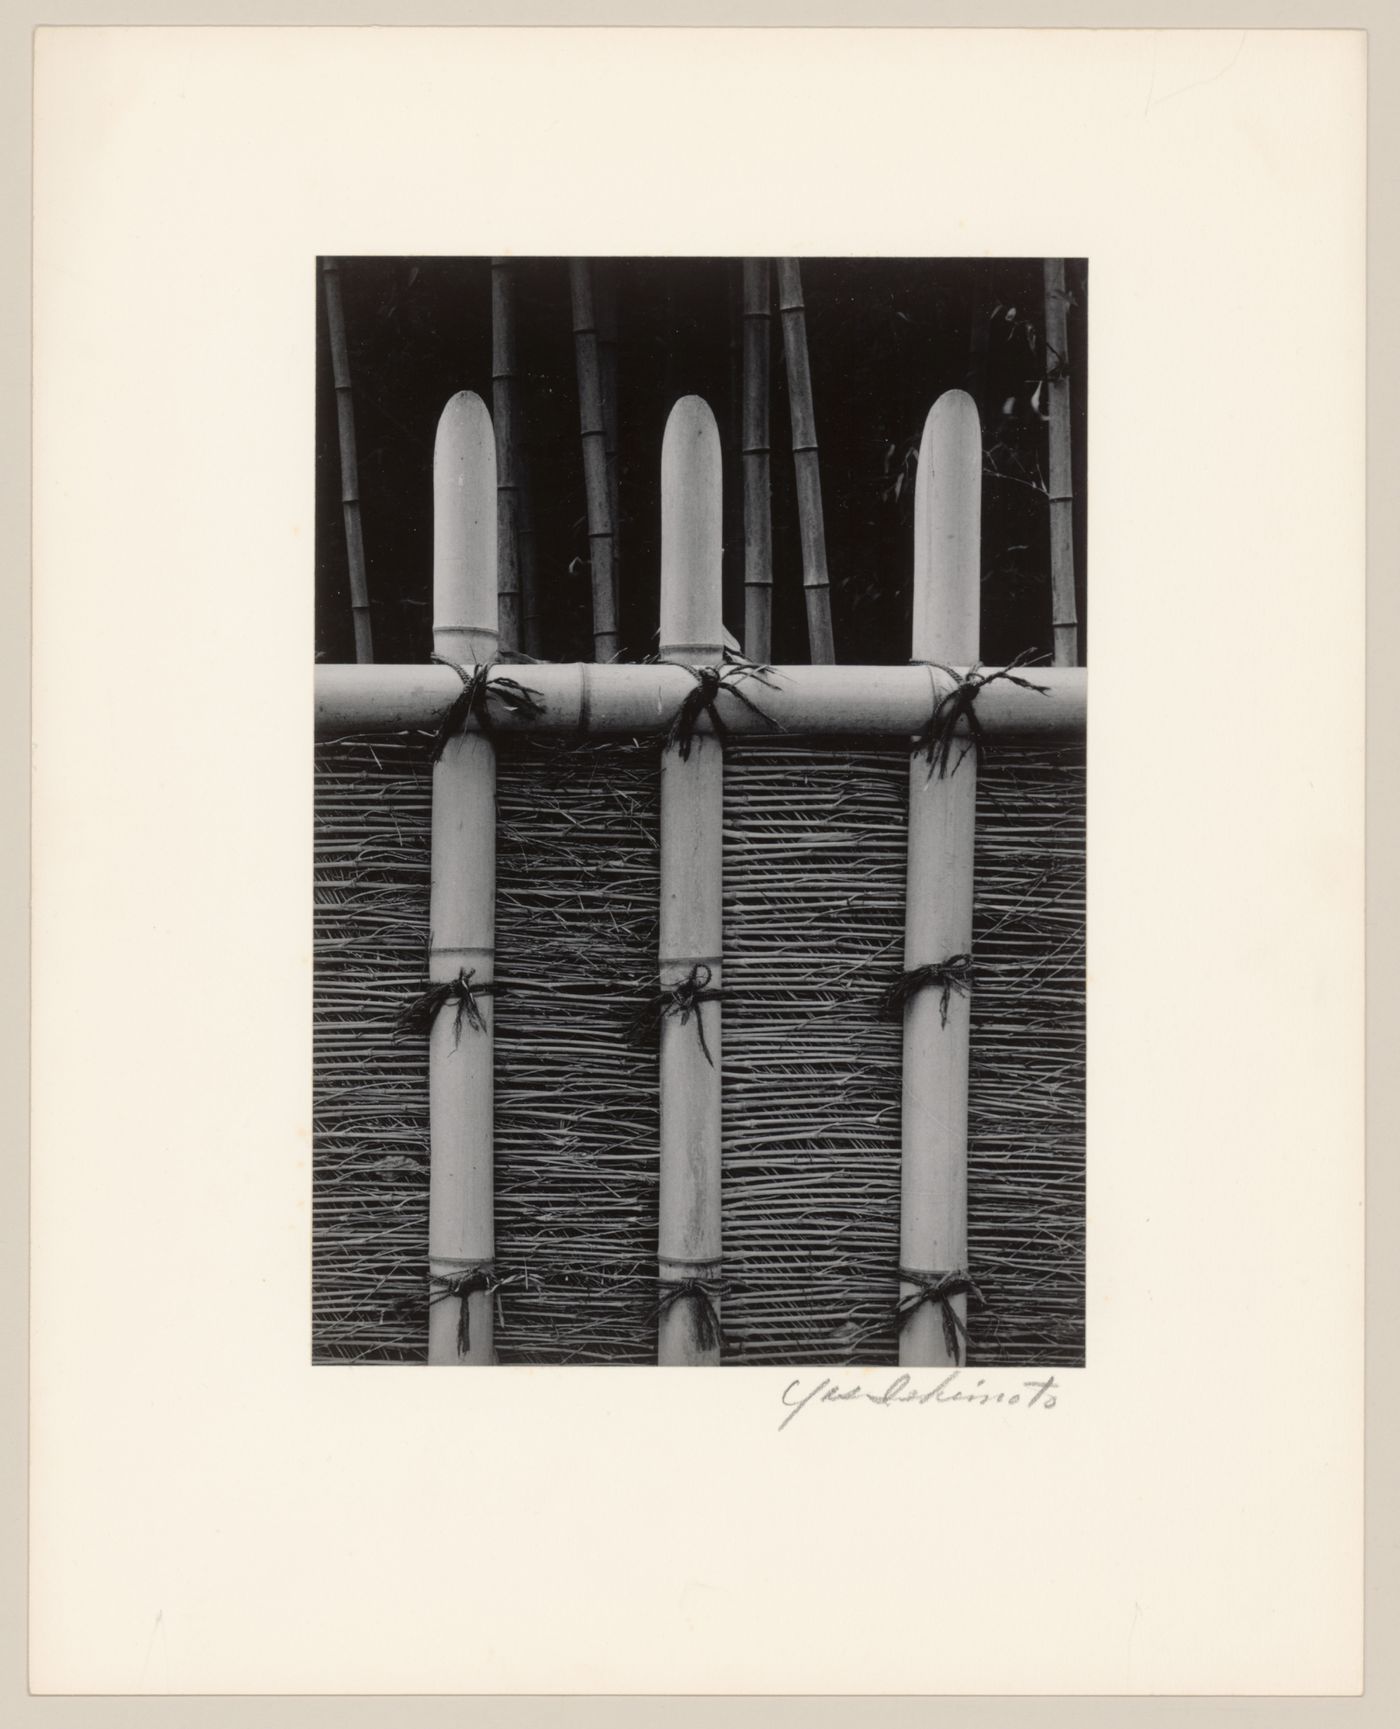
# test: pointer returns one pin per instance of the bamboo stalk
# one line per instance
(605, 294)
(504, 409)
(349, 462)
(938, 899)
(692, 823)
(758, 515)
(639, 701)
(806, 463)
(461, 1221)
(1065, 617)
(977, 342)
(531, 623)
(595, 460)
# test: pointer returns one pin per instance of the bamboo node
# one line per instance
(939, 1289)
(420, 1016)
(709, 682)
(955, 712)
(465, 1278)
(478, 687)
(685, 998)
(954, 974)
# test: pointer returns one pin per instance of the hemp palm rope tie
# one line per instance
(958, 708)
(449, 1277)
(702, 1284)
(954, 974)
(473, 701)
(419, 1016)
(939, 1289)
(709, 682)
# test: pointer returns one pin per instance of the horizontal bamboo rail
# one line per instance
(630, 701)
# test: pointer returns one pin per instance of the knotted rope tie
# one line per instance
(684, 999)
(954, 974)
(709, 682)
(940, 1289)
(467, 1277)
(473, 702)
(703, 1293)
(419, 1016)
(958, 706)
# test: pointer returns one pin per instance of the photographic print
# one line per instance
(700, 815)
(567, 740)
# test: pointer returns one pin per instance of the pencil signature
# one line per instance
(953, 1389)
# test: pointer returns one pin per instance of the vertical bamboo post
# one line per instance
(461, 1203)
(806, 463)
(938, 902)
(758, 518)
(691, 865)
(504, 403)
(732, 439)
(1065, 614)
(349, 462)
(595, 459)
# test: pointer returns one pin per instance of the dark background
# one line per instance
(885, 337)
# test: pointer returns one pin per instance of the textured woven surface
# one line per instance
(814, 888)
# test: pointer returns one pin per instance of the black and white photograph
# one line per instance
(700, 810)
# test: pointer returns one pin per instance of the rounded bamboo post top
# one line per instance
(692, 537)
(948, 534)
(464, 532)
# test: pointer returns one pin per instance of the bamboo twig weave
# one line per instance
(814, 859)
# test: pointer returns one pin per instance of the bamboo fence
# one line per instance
(829, 1153)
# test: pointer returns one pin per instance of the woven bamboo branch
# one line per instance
(806, 463)
(349, 461)
(815, 860)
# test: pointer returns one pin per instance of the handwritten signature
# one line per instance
(901, 1392)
